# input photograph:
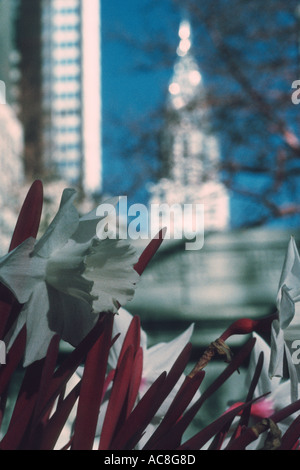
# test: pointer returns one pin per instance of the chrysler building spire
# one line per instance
(187, 79)
(191, 166)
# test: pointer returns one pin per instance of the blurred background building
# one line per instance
(191, 152)
(71, 90)
(60, 90)
(11, 130)
(50, 72)
(216, 139)
(105, 97)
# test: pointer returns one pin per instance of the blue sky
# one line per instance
(128, 94)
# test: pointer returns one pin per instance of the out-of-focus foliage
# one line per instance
(248, 55)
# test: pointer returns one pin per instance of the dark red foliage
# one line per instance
(149, 252)
(43, 406)
(245, 326)
(92, 390)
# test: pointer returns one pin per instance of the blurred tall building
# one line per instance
(28, 42)
(9, 57)
(191, 151)
(71, 90)
(60, 90)
(11, 131)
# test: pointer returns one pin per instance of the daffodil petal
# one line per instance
(20, 272)
(286, 308)
(290, 275)
(110, 265)
(161, 357)
(39, 334)
(87, 228)
(292, 375)
(70, 317)
(70, 256)
(64, 224)
(277, 350)
(65, 268)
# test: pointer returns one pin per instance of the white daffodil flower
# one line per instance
(66, 278)
(286, 329)
(156, 360)
(277, 389)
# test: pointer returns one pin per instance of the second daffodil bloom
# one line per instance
(66, 278)
(156, 359)
(286, 329)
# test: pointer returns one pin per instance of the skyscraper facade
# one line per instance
(72, 91)
(28, 42)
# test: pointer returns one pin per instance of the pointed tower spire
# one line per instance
(186, 80)
(192, 151)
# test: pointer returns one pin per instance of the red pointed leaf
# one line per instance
(73, 361)
(202, 437)
(27, 226)
(23, 410)
(181, 401)
(108, 380)
(47, 374)
(135, 383)
(91, 391)
(149, 252)
(285, 412)
(249, 435)
(54, 426)
(244, 421)
(168, 385)
(220, 437)
(13, 359)
(291, 436)
(244, 326)
(30, 215)
(132, 337)
(9, 307)
(130, 433)
(173, 438)
(117, 399)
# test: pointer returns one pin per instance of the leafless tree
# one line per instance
(248, 53)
